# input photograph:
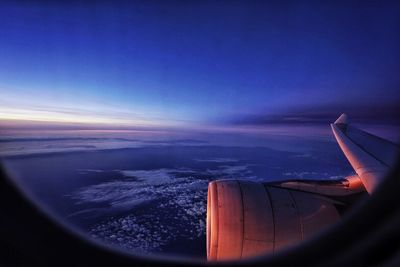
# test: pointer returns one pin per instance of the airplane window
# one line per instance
(213, 131)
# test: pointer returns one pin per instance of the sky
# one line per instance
(188, 64)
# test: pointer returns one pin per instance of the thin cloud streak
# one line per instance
(378, 113)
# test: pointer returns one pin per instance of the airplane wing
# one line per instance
(247, 219)
(370, 156)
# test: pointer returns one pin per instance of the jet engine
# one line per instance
(247, 219)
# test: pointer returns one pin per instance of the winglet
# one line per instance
(342, 119)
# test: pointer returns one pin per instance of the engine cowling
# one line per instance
(246, 219)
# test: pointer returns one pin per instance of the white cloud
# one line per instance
(146, 233)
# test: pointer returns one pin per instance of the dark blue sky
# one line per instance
(168, 63)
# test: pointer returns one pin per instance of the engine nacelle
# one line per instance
(247, 219)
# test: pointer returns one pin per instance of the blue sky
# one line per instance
(186, 63)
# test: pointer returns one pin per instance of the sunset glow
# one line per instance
(138, 68)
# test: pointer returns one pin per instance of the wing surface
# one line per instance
(370, 156)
